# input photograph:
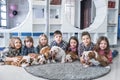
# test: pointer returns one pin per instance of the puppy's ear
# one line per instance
(58, 49)
(91, 55)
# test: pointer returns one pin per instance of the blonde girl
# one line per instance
(14, 49)
(43, 41)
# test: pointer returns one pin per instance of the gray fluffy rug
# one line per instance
(67, 71)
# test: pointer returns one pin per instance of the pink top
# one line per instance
(101, 52)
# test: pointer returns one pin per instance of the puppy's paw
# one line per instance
(53, 61)
(86, 66)
(48, 61)
(62, 61)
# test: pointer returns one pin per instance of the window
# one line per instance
(3, 11)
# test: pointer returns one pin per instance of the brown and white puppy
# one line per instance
(41, 59)
(46, 52)
(33, 58)
(37, 58)
(99, 59)
(25, 61)
(57, 53)
(87, 56)
(17, 63)
(103, 60)
(71, 56)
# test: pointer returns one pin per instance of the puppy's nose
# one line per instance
(44, 62)
(67, 60)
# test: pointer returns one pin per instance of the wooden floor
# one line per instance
(114, 74)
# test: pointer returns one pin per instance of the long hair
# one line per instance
(74, 38)
(12, 42)
(43, 35)
(97, 48)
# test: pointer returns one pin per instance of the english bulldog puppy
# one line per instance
(87, 56)
(34, 58)
(41, 59)
(25, 61)
(97, 59)
(71, 56)
(37, 58)
(58, 54)
(15, 63)
(46, 52)
(102, 60)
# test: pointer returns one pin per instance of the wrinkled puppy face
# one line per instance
(54, 50)
(41, 59)
(25, 61)
(68, 58)
(85, 56)
(91, 55)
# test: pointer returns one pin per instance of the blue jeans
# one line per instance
(114, 53)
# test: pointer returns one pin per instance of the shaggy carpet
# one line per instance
(67, 71)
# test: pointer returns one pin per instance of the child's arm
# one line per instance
(110, 56)
(4, 53)
(64, 45)
(80, 50)
(11, 59)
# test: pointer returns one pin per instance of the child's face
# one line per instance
(86, 40)
(28, 44)
(18, 44)
(103, 45)
(73, 43)
(43, 41)
(58, 38)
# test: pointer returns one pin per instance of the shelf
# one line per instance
(39, 21)
(54, 28)
(112, 9)
(55, 21)
(39, 28)
(55, 6)
(39, 2)
(112, 24)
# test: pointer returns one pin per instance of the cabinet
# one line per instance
(112, 28)
(39, 9)
(46, 16)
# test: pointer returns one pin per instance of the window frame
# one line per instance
(2, 11)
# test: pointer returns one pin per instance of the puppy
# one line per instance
(46, 52)
(57, 53)
(71, 56)
(15, 63)
(34, 58)
(87, 56)
(102, 60)
(41, 59)
(25, 61)
(99, 59)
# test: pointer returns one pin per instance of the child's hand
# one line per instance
(15, 59)
(81, 60)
